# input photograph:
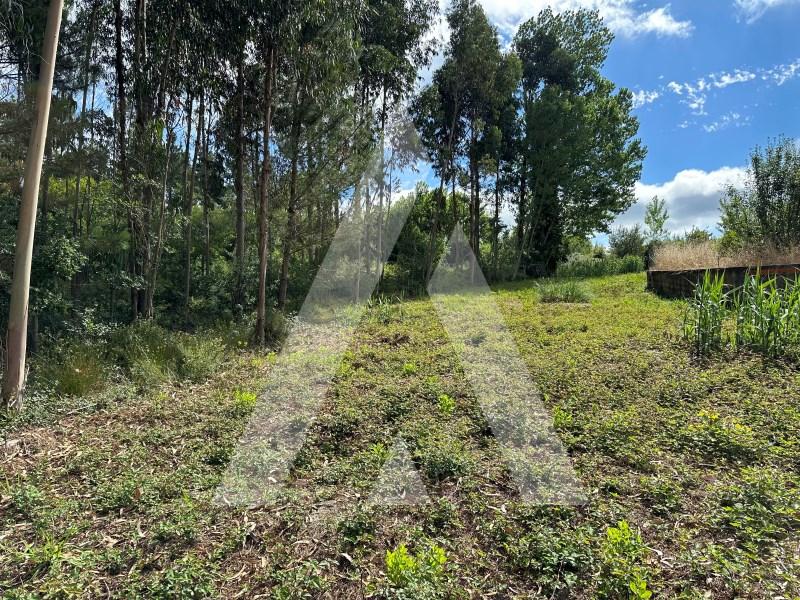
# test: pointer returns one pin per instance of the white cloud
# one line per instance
(782, 73)
(644, 97)
(692, 198)
(694, 94)
(622, 16)
(752, 10)
(731, 119)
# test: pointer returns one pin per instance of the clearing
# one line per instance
(690, 468)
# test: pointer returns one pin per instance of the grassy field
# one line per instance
(690, 469)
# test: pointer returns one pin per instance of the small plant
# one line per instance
(446, 405)
(188, 579)
(244, 402)
(405, 570)
(716, 436)
(622, 575)
(409, 368)
(564, 291)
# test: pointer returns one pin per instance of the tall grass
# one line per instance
(569, 291)
(678, 256)
(763, 316)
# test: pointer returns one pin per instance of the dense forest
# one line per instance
(201, 155)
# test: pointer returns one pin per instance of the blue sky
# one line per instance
(713, 78)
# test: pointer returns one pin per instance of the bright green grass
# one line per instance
(690, 469)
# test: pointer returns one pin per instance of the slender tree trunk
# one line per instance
(206, 202)
(151, 284)
(382, 190)
(122, 115)
(263, 208)
(496, 228)
(291, 210)
(16, 339)
(239, 253)
(189, 205)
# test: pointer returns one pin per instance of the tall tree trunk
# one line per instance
(85, 93)
(122, 143)
(239, 253)
(151, 284)
(291, 209)
(496, 227)
(206, 202)
(263, 208)
(16, 339)
(382, 188)
(188, 205)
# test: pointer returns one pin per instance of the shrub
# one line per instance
(79, 371)
(627, 241)
(564, 291)
(583, 267)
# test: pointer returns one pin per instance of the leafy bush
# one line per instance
(583, 266)
(628, 241)
(564, 291)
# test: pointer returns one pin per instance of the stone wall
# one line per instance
(681, 284)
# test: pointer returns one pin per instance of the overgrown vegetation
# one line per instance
(763, 315)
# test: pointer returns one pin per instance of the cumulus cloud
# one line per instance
(752, 10)
(644, 97)
(622, 16)
(692, 198)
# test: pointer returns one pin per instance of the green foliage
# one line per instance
(584, 266)
(244, 402)
(705, 315)
(567, 290)
(623, 575)
(655, 219)
(713, 435)
(760, 508)
(765, 317)
(152, 354)
(407, 571)
(446, 404)
(187, 579)
(765, 211)
(78, 371)
(627, 241)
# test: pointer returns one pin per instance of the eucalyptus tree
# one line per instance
(393, 49)
(316, 72)
(470, 80)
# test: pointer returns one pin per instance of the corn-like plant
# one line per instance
(705, 316)
(766, 316)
